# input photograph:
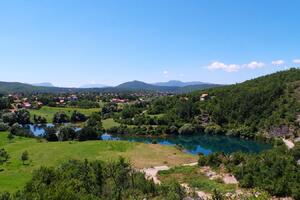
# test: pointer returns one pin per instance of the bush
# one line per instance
(3, 126)
(50, 134)
(78, 117)
(88, 133)
(60, 117)
(187, 129)
(66, 133)
(18, 130)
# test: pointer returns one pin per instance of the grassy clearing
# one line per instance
(108, 123)
(15, 174)
(195, 179)
(48, 112)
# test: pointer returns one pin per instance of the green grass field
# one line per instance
(48, 112)
(42, 153)
(195, 179)
(108, 123)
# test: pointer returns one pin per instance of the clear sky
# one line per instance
(72, 42)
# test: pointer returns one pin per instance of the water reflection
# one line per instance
(194, 144)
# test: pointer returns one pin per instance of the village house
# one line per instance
(26, 105)
(204, 97)
(115, 100)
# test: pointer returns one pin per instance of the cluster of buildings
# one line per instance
(19, 103)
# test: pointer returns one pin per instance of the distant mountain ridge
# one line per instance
(132, 86)
(176, 83)
(171, 86)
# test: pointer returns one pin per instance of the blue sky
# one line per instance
(72, 42)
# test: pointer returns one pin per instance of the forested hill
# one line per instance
(267, 104)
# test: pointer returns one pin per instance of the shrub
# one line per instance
(187, 129)
(3, 126)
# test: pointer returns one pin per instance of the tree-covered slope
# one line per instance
(268, 104)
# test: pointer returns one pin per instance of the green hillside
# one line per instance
(268, 104)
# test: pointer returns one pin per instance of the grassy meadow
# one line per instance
(107, 123)
(14, 175)
(48, 112)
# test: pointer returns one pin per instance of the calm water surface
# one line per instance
(194, 144)
(200, 143)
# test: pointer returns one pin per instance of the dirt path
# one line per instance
(151, 173)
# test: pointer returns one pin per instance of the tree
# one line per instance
(3, 126)
(24, 157)
(78, 117)
(23, 116)
(4, 103)
(66, 133)
(88, 133)
(39, 120)
(50, 134)
(9, 118)
(60, 117)
(95, 121)
(4, 156)
(187, 129)
(16, 129)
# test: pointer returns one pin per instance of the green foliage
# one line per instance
(39, 119)
(93, 180)
(25, 157)
(296, 151)
(3, 126)
(173, 190)
(5, 103)
(274, 171)
(4, 156)
(240, 110)
(85, 104)
(88, 133)
(256, 104)
(95, 121)
(61, 117)
(78, 117)
(17, 129)
(217, 195)
(213, 159)
(10, 137)
(50, 134)
(66, 133)
(23, 116)
(187, 129)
